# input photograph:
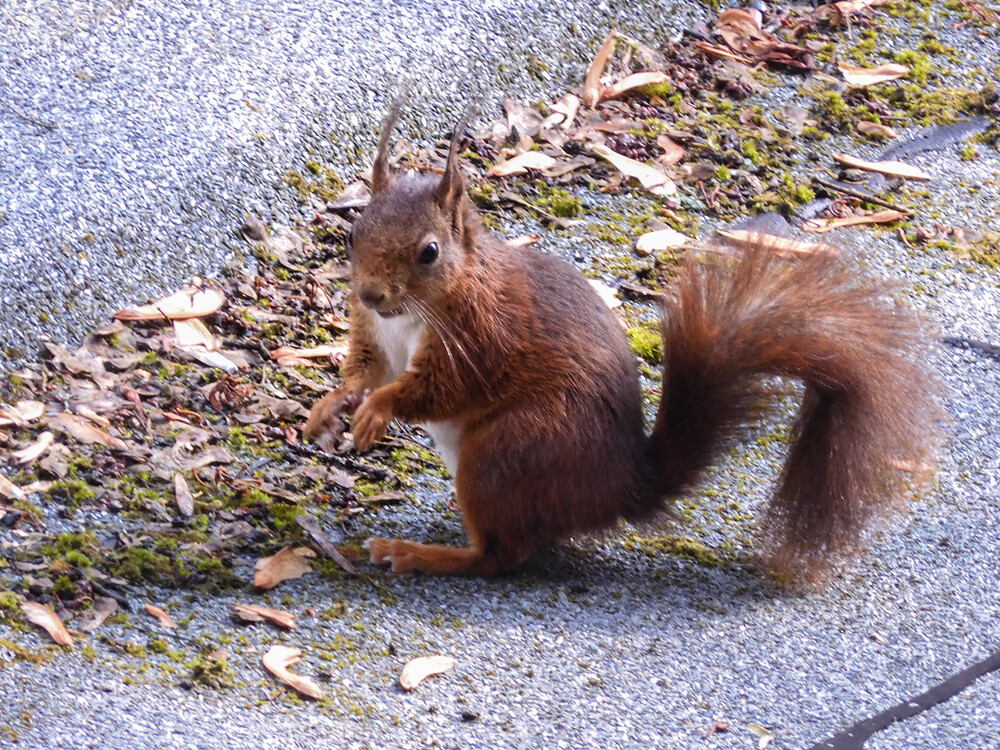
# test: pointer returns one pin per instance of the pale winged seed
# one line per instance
(416, 670)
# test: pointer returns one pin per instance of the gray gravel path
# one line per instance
(135, 135)
(595, 646)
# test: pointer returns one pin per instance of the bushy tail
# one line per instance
(869, 412)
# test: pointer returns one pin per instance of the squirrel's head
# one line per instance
(414, 243)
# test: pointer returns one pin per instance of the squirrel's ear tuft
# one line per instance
(452, 186)
(380, 170)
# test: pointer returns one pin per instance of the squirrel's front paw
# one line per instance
(370, 422)
(324, 426)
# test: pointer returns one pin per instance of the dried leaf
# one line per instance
(45, 618)
(521, 163)
(87, 413)
(633, 82)
(287, 564)
(183, 496)
(652, 179)
(21, 413)
(858, 76)
(673, 152)
(525, 240)
(316, 352)
(873, 128)
(211, 359)
(10, 490)
(774, 243)
(104, 607)
(187, 303)
(890, 168)
(36, 449)
(257, 613)
(277, 661)
(85, 432)
(416, 670)
(662, 239)
(765, 735)
(193, 332)
(162, 617)
(592, 88)
(567, 107)
(879, 217)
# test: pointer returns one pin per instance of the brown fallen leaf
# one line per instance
(285, 565)
(653, 180)
(716, 51)
(877, 129)
(187, 303)
(193, 332)
(257, 613)
(661, 239)
(45, 618)
(879, 217)
(855, 75)
(890, 168)
(568, 106)
(633, 82)
(161, 616)
(520, 164)
(104, 607)
(87, 413)
(278, 659)
(183, 496)
(416, 670)
(316, 352)
(21, 413)
(35, 450)
(525, 240)
(10, 490)
(673, 152)
(84, 431)
(774, 243)
(592, 88)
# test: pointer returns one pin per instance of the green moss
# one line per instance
(22, 654)
(557, 202)
(63, 588)
(674, 546)
(921, 67)
(646, 342)
(213, 672)
(158, 646)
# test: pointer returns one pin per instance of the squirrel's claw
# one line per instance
(324, 425)
(386, 551)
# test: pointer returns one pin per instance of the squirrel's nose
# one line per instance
(371, 296)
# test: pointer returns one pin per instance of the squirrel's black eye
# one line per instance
(429, 254)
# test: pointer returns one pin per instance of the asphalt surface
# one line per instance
(596, 645)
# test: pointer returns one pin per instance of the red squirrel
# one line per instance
(524, 378)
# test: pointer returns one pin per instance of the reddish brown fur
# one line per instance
(535, 370)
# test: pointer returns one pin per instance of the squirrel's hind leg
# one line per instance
(435, 559)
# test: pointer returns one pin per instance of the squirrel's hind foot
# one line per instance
(434, 559)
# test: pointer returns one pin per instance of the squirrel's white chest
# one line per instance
(399, 338)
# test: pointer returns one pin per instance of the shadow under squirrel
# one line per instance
(526, 382)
